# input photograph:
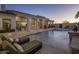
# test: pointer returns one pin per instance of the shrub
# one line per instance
(5, 31)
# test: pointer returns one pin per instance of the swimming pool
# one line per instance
(53, 42)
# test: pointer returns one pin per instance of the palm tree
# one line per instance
(77, 15)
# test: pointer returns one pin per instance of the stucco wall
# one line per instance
(8, 16)
(0, 23)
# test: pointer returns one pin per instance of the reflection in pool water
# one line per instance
(53, 42)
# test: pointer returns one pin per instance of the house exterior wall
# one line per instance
(33, 23)
(28, 24)
(0, 23)
(7, 16)
(21, 23)
(47, 22)
(39, 22)
(13, 23)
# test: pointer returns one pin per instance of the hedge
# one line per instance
(5, 31)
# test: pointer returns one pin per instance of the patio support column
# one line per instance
(37, 24)
(47, 24)
(1, 24)
(42, 23)
(13, 23)
(28, 24)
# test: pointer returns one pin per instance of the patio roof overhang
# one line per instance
(22, 14)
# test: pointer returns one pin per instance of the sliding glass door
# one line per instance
(6, 24)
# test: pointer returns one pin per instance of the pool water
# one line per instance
(54, 42)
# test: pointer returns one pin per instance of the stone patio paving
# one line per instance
(18, 34)
(54, 42)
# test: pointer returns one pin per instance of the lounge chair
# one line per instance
(24, 48)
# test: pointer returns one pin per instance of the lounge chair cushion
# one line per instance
(7, 46)
(0, 41)
(32, 46)
(22, 40)
(1, 44)
(16, 40)
(11, 40)
(5, 38)
(18, 47)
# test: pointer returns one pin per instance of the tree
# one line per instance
(77, 15)
(65, 22)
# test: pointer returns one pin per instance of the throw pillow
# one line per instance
(11, 40)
